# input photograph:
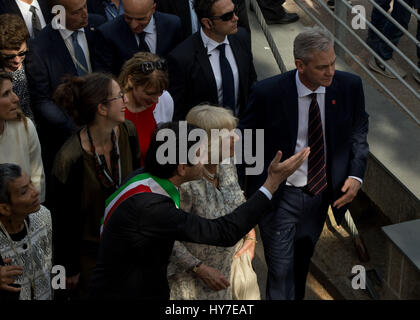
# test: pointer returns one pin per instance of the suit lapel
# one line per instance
(204, 62)
(61, 52)
(125, 32)
(291, 108)
(331, 109)
(13, 8)
(46, 12)
(241, 63)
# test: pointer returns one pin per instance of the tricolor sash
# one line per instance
(140, 183)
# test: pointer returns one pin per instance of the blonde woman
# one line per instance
(144, 80)
(201, 271)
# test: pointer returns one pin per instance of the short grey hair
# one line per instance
(310, 40)
(8, 173)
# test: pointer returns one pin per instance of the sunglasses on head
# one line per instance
(226, 16)
(149, 66)
(12, 56)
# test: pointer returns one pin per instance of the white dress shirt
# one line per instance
(27, 15)
(300, 177)
(81, 38)
(214, 54)
(151, 35)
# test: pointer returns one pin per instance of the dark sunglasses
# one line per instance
(149, 66)
(226, 16)
(12, 56)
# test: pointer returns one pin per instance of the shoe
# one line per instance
(416, 76)
(377, 66)
(331, 4)
(283, 18)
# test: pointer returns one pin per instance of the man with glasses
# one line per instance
(214, 64)
(54, 54)
(140, 28)
(184, 9)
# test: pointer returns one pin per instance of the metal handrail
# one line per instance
(269, 37)
(414, 92)
(390, 18)
(405, 5)
(369, 73)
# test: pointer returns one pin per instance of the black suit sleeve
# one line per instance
(165, 221)
(358, 137)
(40, 89)
(178, 71)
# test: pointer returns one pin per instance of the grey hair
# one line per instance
(310, 40)
(8, 173)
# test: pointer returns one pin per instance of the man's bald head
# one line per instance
(138, 13)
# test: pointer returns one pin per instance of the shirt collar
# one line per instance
(303, 91)
(65, 33)
(34, 3)
(209, 43)
(151, 26)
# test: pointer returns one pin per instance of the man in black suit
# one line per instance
(26, 9)
(140, 28)
(109, 9)
(214, 64)
(184, 9)
(142, 221)
(324, 109)
(54, 54)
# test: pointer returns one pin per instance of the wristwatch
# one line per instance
(195, 269)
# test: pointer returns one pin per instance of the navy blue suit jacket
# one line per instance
(11, 7)
(273, 107)
(48, 62)
(117, 43)
(191, 78)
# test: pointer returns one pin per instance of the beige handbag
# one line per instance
(244, 279)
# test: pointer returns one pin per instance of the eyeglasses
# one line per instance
(12, 56)
(120, 96)
(148, 67)
(226, 16)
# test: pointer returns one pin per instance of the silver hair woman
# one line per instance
(200, 271)
(25, 238)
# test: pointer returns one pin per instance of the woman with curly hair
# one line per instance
(89, 167)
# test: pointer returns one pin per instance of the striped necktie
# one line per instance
(317, 173)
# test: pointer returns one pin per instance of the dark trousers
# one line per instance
(271, 9)
(289, 236)
(390, 31)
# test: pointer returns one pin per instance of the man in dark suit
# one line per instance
(184, 9)
(142, 221)
(41, 9)
(214, 64)
(54, 54)
(109, 9)
(324, 109)
(141, 28)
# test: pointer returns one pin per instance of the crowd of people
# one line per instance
(83, 103)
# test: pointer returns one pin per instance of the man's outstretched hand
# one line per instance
(280, 171)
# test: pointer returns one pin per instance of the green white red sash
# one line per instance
(140, 183)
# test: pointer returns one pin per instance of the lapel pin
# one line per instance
(333, 101)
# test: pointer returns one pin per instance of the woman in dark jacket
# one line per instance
(89, 167)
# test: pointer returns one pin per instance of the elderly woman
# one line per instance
(25, 238)
(144, 79)
(13, 50)
(19, 142)
(200, 271)
(89, 167)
